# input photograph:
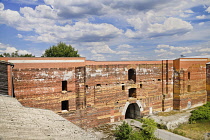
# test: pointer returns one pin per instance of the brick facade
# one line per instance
(90, 93)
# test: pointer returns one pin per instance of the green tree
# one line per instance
(148, 128)
(15, 54)
(61, 50)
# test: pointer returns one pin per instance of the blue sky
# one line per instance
(112, 30)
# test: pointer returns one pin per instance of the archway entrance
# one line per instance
(132, 75)
(133, 111)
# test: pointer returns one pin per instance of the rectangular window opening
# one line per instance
(123, 87)
(64, 85)
(188, 75)
(65, 105)
(188, 88)
(98, 85)
(159, 79)
(132, 92)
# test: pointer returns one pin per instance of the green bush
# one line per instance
(135, 135)
(200, 114)
(123, 131)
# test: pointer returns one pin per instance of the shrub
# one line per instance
(135, 135)
(202, 113)
(123, 131)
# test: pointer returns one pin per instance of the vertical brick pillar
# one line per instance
(208, 81)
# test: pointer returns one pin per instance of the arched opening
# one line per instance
(132, 75)
(133, 111)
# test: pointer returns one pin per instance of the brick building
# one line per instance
(89, 93)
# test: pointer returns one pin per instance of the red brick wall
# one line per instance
(189, 83)
(99, 91)
(42, 88)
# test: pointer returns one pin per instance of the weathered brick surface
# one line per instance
(6, 87)
(100, 92)
(42, 88)
(189, 83)
(208, 81)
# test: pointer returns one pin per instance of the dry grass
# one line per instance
(194, 131)
(169, 113)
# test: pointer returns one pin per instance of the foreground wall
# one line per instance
(6, 86)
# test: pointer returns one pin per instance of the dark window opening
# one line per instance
(188, 75)
(159, 79)
(140, 85)
(132, 112)
(86, 86)
(98, 85)
(123, 87)
(132, 92)
(64, 85)
(132, 75)
(188, 88)
(65, 105)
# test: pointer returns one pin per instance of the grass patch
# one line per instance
(194, 131)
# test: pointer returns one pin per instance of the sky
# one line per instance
(107, 30)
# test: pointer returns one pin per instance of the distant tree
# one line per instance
(15, 54)
(61, 50)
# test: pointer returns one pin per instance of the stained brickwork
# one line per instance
(189, 83)
(90, 93)
(208, 81)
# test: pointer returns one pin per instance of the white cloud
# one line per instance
(160, 51)
(201, 17)
(208, 9)
(123, 52)
(8, 49)
(189, 11)
(171, 26)
(201, 23)
(204, 50)
(3, 46)
(19, 36)
(1, 6)
(101, 49)
(124, 46)
(167, 51)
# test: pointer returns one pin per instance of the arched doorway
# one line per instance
(132, 75)
(133, 111)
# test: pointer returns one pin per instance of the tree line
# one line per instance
(59, 50)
